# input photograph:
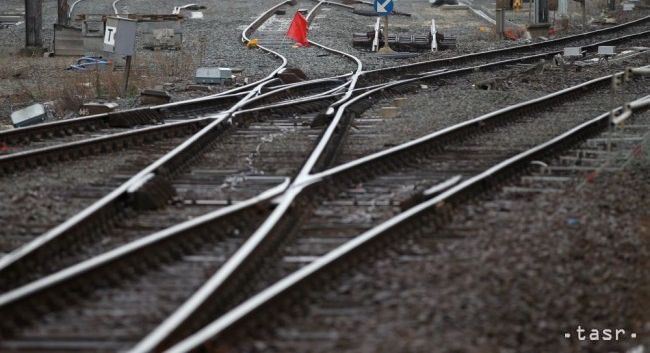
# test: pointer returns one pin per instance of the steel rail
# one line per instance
(14, 262)
(222, 282)
(113, 142)
(309, 275)
(289, 91)
(220, 122)
(495, 52)
(133, 251)
(157, 113)
(252, 28)
(95, 145)
(125, 118)
(41, 284)
(110, 204)
(79, 270)
(447, 134)
(332, 126)
(117, 13)
(334, 3)
(71, 9)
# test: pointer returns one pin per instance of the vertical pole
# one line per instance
(434, 35)
(500, 23)
(385, 49)
(127, 70)
(97, 82)
(386, 32)
(541, 11)
(62, 12)
(563, 8)
(33, 23)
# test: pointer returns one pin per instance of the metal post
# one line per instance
(127, 70)
(611, 5)
(563, 8)
(434, 35)
(386, 48)
(541, 11)
(500, 23)
(33, 23)
(386, 32)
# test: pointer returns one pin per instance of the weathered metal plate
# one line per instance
(31, 115)
(68, 41)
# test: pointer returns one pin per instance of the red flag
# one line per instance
(298, 29)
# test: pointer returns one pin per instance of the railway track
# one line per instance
(178, 157)
(588, 41)
(236, 165)
(76, 130)
(213, 105)
(40, 149)
(248, 264)
(315, 61)
(155, 272)
(397, 118)
(351, 201)
(458, 163)
(152, 186)
(151, 189)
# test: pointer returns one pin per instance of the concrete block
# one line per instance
(212, 75)
(606, 50)
(32, 115)
(572, 52)
(203, 88)
(93, 108)
(152, 96)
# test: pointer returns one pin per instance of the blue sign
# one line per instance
(383, 7)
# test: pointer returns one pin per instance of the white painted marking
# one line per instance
(382, 7)
(109, 35)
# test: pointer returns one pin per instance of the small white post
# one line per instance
(434, 32)
(563, 8)
(375, 41)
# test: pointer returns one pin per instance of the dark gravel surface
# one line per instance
(449, 101)
(507, 274)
